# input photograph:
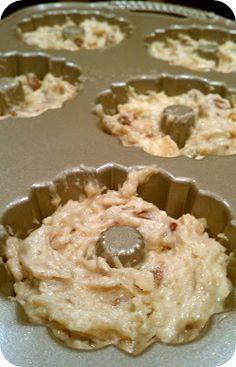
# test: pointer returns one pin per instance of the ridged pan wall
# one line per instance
(34, 151)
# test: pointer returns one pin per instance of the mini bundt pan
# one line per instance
(176, 196)
(172, 85)
(212, 33)
(60, 139)
(13, 64)
(215, 33)
(52, 18)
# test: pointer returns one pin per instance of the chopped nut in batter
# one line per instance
(138, 122)
(168, 296)
(92, 34)
(40, 95)
(190, 53)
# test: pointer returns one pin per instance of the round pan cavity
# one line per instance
(121, 115)
(23, 75)
(174, 195)
(58, 18)
(177, 196)
(187, 38)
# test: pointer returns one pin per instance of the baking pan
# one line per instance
(37, 67)
(34, 151)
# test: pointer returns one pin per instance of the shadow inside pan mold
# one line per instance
(6, 283)
(176, 196)
(212, 34)
(53, 18)
(203, 332)
(32, 83)
(152, 140)
(7, 290)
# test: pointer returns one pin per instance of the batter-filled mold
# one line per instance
(197, 47)
(73, 30)
(122, 256)
(33, 83)
(170, 115)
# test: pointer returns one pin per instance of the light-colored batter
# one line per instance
(181, 51)
(137, 123)
(168, 297)
(97, 34)
(40, 95)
